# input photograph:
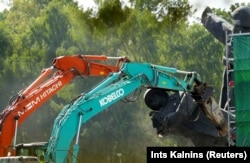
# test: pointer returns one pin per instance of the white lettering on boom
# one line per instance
(111, 97)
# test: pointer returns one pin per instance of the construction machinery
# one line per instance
(63, 70)
(160, 84)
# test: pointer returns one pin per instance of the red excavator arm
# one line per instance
(45, 86)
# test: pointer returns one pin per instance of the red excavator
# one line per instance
(63, 70)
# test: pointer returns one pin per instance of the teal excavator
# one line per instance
(160, 84)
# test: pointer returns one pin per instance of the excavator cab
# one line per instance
(36, 149)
